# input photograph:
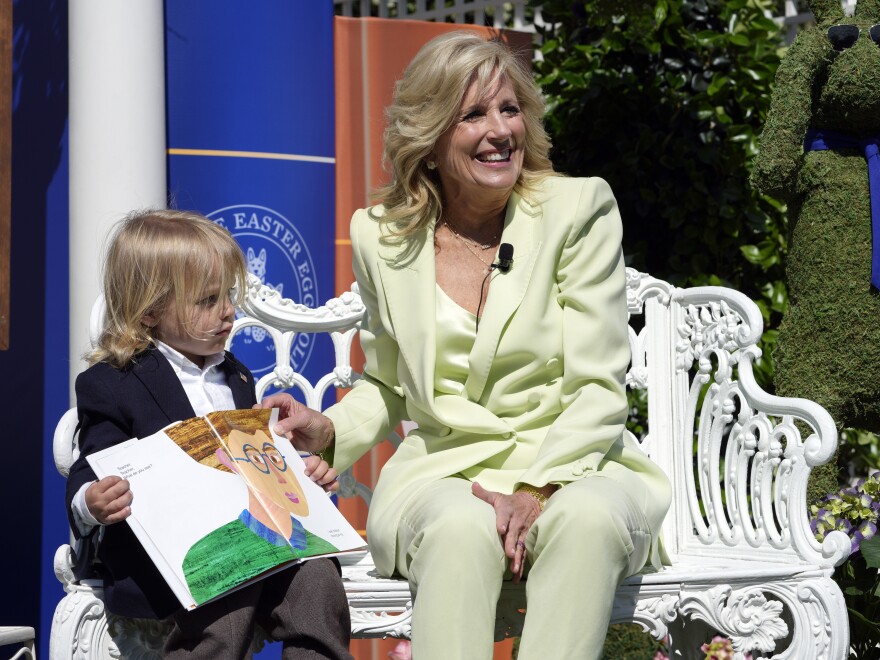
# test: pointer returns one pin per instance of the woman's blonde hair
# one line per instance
(155, 257)
(426, 103)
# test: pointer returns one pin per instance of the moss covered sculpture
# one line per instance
(824, 116)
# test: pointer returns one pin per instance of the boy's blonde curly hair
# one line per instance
(156, 258)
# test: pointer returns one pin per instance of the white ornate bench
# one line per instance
(744, 561)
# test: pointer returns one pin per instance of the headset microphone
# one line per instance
(505, 257)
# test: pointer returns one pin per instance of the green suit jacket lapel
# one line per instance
(409, 284)
(506, 291)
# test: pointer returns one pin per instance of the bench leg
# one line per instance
(79, 629)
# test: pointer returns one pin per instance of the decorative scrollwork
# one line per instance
(655, 614)
(265, 304)
(63, 564)
(284, 376)
(344, 376)
(372, 623)
(744, 615)
(347, 304)
(707, 326)
(79, 627)
(640, 287)
(637, 378)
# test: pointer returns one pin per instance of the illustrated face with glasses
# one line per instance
(845, 36)
(265, 470)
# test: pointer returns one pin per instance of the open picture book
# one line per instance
(221, 501)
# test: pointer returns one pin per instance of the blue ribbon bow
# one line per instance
(822, 140)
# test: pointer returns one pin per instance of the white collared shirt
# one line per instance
(207, 391)
(205, 387)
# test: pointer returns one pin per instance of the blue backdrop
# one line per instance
(251, 145)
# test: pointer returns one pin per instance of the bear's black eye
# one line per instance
(843, 36)
(875, 34)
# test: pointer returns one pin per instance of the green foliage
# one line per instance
(854, 511)
(627, 641)
(860, 451)
(667, 104)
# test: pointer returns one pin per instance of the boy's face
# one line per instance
(205, 329)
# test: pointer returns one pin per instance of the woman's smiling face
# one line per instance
(482, 152)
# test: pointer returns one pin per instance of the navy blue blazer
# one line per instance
(115, 405)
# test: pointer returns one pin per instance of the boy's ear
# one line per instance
(150, 319)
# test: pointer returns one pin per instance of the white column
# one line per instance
(117, 136)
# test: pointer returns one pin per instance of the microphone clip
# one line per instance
(505, 258)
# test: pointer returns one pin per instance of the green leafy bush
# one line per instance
(666, 101)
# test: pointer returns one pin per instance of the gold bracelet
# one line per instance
(328, 452)
(534, 492)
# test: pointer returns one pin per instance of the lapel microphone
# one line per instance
(505, 258)
(505, 261)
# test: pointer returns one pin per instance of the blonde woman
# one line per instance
(496, 320)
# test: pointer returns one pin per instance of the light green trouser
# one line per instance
(591, 535)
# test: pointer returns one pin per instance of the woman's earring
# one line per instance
(431, 165)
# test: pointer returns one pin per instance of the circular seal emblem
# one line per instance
(276, 253)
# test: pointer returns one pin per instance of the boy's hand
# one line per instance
(109, 500)
(321, 473)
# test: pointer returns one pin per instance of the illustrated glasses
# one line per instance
(844, 36)
(262, 459)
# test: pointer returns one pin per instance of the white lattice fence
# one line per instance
(511, 15)
(516, 15)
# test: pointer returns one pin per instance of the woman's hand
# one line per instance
(514, 515)
(321, 473)
(307, 429)
(109, 500)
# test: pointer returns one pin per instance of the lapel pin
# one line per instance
(242, 376)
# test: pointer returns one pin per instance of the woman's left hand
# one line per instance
(514, 515)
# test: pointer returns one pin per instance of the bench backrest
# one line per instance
(738, 458)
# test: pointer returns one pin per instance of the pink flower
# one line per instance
(403, 651)
(720, 648)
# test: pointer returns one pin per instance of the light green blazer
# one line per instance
(544, 401)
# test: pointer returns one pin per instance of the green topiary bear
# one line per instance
(822, 130)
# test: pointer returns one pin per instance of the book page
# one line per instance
(221, 500)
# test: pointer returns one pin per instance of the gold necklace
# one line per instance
(487, 264)
(483, 246)
(467, 244)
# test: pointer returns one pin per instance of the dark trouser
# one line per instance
(303, 606)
